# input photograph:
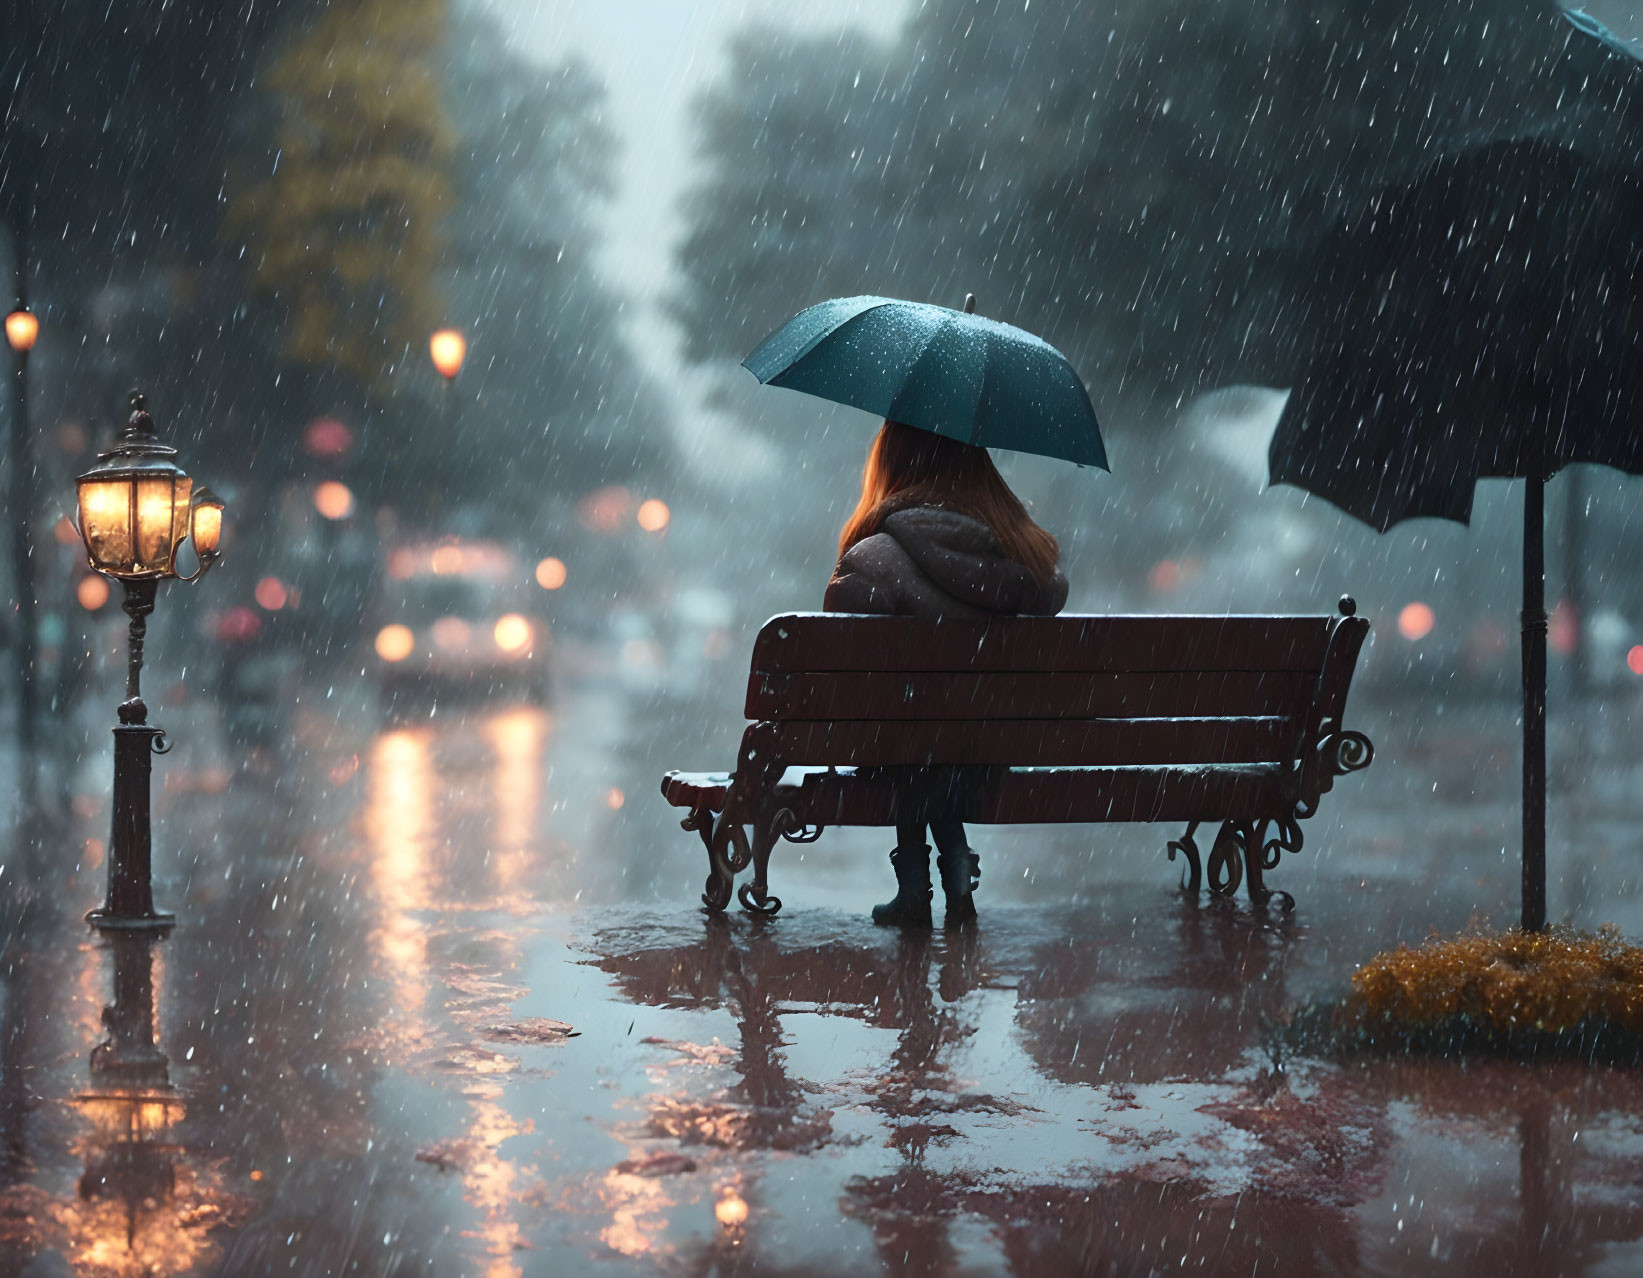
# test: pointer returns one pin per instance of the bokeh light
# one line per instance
(395, 642)
(513, 633)
(1416, 620)
(237, 625)
(550, 573)
(271, 593)
(653, 515)
(1634, 660)
(92, 592)
(614, 798)
(402, 564)
(605, 509)
(334, 500)
(326, 437)
(451, 633)
(1563, 629)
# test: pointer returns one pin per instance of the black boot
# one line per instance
(960, 876)
(911, 906)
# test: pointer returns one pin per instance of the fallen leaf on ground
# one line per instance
(659, 1164)
(536, 1029)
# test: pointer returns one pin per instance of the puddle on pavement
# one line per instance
(351, 1056)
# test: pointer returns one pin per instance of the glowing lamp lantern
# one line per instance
(448, 348)
(22, 328)
(205, 524)
(135, 504)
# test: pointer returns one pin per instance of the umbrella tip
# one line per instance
(1349, 606)
(969, 303)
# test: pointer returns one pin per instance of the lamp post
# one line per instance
(22, 328)
(448, 348)
(137, 508)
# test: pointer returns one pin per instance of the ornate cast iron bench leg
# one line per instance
(1189, 851)
(727, 856)
(1262, 853)
(701, 821)
(755, 893)
(1225, 870)
(1242, 852)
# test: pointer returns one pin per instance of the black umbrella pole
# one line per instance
(1534, 705)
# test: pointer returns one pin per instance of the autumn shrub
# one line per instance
(1515, 982)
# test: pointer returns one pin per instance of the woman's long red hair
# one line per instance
(911, 467)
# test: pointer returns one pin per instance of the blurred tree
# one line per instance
(345, 229)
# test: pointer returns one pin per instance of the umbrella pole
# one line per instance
(1534, 704)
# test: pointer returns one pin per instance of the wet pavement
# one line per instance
(441, 1000)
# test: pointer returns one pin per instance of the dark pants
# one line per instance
(946, 832)
(928, 796)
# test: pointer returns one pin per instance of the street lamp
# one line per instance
(22, 329)
(137, 509)
(448, 348)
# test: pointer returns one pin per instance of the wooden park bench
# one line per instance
(1229, 719)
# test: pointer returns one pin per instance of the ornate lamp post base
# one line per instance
(130, 901)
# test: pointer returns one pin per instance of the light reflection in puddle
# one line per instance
(399, 827)
(423, 943)
(517, 739)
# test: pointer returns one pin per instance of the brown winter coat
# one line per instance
(930, 562)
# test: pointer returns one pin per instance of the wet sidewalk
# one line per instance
(440, 1000)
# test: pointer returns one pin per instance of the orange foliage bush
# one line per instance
(1546, 982)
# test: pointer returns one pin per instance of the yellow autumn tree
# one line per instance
(345, 227)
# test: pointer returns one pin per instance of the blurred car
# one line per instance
(458, 619)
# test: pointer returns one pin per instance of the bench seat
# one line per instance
(1021, 796)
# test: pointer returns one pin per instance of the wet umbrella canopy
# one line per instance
(1484, 320)
(1480, 321)
(952, 372)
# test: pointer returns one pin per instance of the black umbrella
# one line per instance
(1494, 71)
(1484, 319)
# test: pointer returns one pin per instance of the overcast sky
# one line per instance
(655, 56)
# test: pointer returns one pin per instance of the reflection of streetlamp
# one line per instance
(137, 509)
(22, 328)
(448, 348)
(131, 1105)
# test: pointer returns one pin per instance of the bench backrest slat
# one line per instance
(806, 642)
(912, 695)
(1034, 743)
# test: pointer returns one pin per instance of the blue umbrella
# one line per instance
(952, 372)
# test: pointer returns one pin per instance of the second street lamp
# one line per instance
(137, 509)
(448, 349)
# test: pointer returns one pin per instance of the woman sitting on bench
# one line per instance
(938, 533)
